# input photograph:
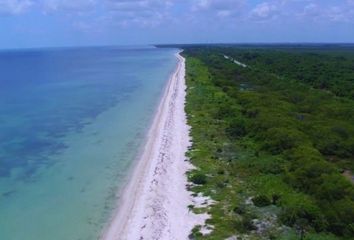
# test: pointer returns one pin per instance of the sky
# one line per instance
(47, 23)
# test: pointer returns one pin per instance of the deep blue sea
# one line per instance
(71, 123)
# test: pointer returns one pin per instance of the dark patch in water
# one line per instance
(8, 194)
(46, 94)
(71, 178)
(28, 155)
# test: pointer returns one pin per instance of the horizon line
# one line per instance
(177, 44)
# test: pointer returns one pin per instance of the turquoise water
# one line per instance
(71, 122)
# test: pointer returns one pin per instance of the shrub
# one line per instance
(237, 128)
(279, 139)
(261, 201)
(198, 178)
(275, 198)
(300, 208)
(307, 175)
(240, 209)
(245, 225)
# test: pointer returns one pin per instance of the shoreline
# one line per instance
(154, 202)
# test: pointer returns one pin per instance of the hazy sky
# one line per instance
(32, 23)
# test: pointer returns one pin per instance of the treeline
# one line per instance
(328, 70)
(283, 141)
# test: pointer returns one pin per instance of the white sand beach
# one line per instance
(154, 204)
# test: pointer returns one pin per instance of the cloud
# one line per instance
(90, 14)
(138, 12)
(327, 12)
(113, 14)
(310, 11)
(68, 5)
(136, 5)
(323, 11)
(14, 6)
(264, 11)
(110, 14)
(209, 9)
(339, 14)
(217, 5)
(137, 8)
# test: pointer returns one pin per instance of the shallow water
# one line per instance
(71, 121)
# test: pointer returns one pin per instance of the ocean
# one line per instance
(71, 124)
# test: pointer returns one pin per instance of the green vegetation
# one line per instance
(329, 70)
(271, 148)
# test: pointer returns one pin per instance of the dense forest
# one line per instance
(331, 70)
(273, 141)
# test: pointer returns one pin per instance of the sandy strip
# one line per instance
(154, 204)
